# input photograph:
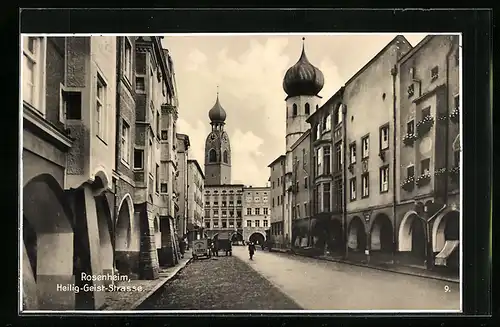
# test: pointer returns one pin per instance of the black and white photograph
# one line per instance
(219, 173)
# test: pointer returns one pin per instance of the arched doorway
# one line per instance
(447, 228)
(236, 238)
(411, 237)
(335, 241)
(257, 238)
(381, 234)
(48, 239)
(127, 239)
(357, 235)
(104, 223)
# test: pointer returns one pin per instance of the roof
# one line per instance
(417, 47)
(195, 162)
(301, 138)
(224, 185)
(336, 95)
(368, 64)
(250, 187)
(281, 157)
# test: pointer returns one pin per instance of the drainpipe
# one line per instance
(447, 126)
(344, 177)
(394, 72)
(117, 137)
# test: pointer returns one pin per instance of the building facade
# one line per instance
(427, 217)
(256, 214)
(370, 118)
(85, 127)
(277, 180)
(195, 200)
(182, 183)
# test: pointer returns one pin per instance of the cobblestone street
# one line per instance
(221, 283)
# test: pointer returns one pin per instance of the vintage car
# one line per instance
(201, 248)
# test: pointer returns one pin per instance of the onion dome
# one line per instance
(303, 78)
(217, 114)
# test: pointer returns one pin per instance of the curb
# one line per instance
(445, 279)
(158, 286)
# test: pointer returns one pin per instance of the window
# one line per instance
(224, 203)
(164, 135)
(410, 90)
(384, 137)
(216, 223)
(384, 179)
(305, 210)
(70, 106)
(127, 60)
(434, 73)
(273, 184)
(352, 153)
(164, 188)
(318, 132)
(212, 155)
(249, 223)
(207, 224)
(294, 108)
(410, 171)
(257, 211)
(238, 224)
(138, 159)
(278, 181)
(157, 178)
(365, 185)
(150, 157)
(150, 82)
(238, 213)
(249, 211)
(326, 197)
(216, 213)
(425, 166)
(265, 223)
(339, 199)
(125, 145)
(326, 160)
(410, 127)
(158, 125)
(306, 182)
(273, 203)
(338, 156)
(456, 101)
(33, 71)
(100, 106)
(304, 158)
(266, 211)
(426, 112)
(224, 224)
(257, 223)
(365, 147)
(307, 109)
(231, 224)
(327, 123)
(319, 163)
(207, 213)
(226, 160)
(140, 84)
(352, 189)
(338, 115)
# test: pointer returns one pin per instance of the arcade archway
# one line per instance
(357, 235)
(381, 234)
(257, 238)
(105, 224)
(48, 239)
(411, 238)
(236, 238)
(127, 238)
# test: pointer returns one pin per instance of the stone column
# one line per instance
(148, 257)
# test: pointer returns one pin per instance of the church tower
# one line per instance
(302, 83)
(217, 148)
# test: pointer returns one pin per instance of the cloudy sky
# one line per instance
(249, 70)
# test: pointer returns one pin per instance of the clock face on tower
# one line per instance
(212, 136)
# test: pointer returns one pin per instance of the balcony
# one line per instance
(423, 179)
(409, 139)
(408, 184)
(424, 125)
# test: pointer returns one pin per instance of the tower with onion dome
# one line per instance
(302, 83)
(217, 148)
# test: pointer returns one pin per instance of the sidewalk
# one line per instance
(396, 268)
(122, 301)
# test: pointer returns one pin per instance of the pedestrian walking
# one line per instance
(251, 250)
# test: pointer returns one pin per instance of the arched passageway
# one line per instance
(257, 238)
(446, 237)
(48, 237)
(381, 234)
(411, 238)
(127, 242)
(104, 222)
(357, 235)
(236, 238)
(335, 239)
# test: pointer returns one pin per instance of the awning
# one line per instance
(449, 247)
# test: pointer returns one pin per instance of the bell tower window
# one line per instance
(212, 156)
(225, 157)
(307, 109)
(294, 108)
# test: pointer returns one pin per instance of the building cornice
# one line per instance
(34, 121)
